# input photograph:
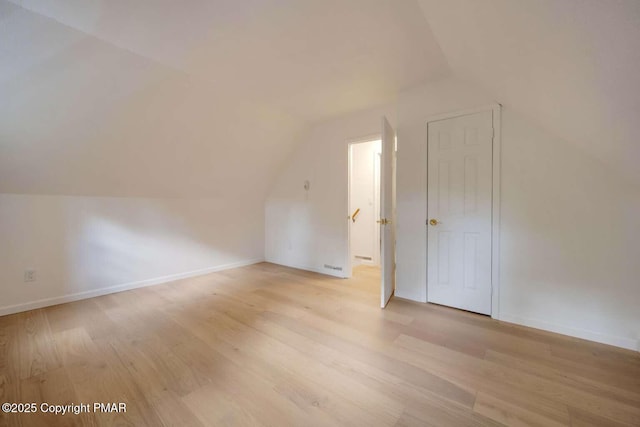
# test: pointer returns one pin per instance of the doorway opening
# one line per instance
(364, 208)
(379, 243)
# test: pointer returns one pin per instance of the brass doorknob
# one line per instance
(433, 221)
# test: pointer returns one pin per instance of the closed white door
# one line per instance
(387, 235)
(459, 212)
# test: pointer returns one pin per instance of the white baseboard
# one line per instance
(325, 271)
(119, 288)
(399, 293)
(628, 343)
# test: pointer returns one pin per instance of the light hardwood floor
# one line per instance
(269, 345)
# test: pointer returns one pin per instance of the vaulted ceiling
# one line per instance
(189, 98)
(570, 66)
(206, 97)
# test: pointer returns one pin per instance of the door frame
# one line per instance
(496, 110)
(369, 138)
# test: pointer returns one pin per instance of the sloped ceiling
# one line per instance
(572, 66)
(206, 97)
(189, 98)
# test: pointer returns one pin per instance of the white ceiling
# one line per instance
(572, 66)
(205, 98)
(189, 98)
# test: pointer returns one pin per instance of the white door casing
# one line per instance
(459, 211)
(387, 237)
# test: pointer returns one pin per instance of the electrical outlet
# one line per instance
(30, 275)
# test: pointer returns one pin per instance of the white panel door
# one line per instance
(387, 237)
(459, 212)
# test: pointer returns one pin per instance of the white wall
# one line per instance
(569, 66)
(569, 224)
(87, 246)
(309, 229)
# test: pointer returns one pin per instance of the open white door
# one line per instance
(387, 259)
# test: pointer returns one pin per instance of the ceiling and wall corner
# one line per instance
(572, 67)
(193, 98)
(140, 139)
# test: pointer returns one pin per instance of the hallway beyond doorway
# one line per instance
(366, 278)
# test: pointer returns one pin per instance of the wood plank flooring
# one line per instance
(269, 345)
